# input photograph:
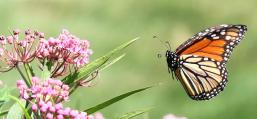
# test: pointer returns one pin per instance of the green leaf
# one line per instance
(85, 71)
(15, 112)
(2, 113)
(118, 49)
(106, 65)
(2, 103)
(18, 109)
(135, 113)
(49, 65)
(4, 92)
(113, 100)
(4, 98)
(31, 70)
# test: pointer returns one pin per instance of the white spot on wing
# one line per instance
(216, 37)
(228, 37)
(224, 25)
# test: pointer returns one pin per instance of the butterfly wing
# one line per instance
(215, 42)
(203, 58)
(201, 77)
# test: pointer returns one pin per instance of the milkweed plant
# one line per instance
(64, 65)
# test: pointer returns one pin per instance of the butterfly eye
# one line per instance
(167, 53)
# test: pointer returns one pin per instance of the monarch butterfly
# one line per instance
(200, 62)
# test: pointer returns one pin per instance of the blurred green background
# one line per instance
(108, 23)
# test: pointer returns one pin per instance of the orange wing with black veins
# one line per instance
(216, 42)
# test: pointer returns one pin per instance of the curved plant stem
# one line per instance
(23, 77)
(25, 111)
(27, 70)
(73, 89)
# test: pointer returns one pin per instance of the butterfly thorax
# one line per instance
(172, 60)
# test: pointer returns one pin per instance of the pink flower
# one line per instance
(98, 115)
(61, 52)
(49, 116)
(171, 116)
(60, 117)
(46, 98)
(64, 50)
(34, 107)
(1, 52)
(45, 90)
(14, 50)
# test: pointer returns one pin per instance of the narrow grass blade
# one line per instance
(4, 95)
(106, 65)
(18, 109)
(85, 71)
(113, 100)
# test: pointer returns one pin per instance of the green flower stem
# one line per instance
(57, 69)
(23, 76)
(28, 72)
(28, 82)
(73, 88)
(31, 70)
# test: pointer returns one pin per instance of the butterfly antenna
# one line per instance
(162, 42)
(159, 55)
(168, 44)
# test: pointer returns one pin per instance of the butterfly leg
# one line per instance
(169, 70)
(172, 75)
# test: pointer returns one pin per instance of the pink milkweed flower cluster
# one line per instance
(46, 98)
(14, 50)
(47, 90)
(64, 50)
(98, 115)
(59, 52)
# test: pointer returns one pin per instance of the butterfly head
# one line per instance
(172, 60)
